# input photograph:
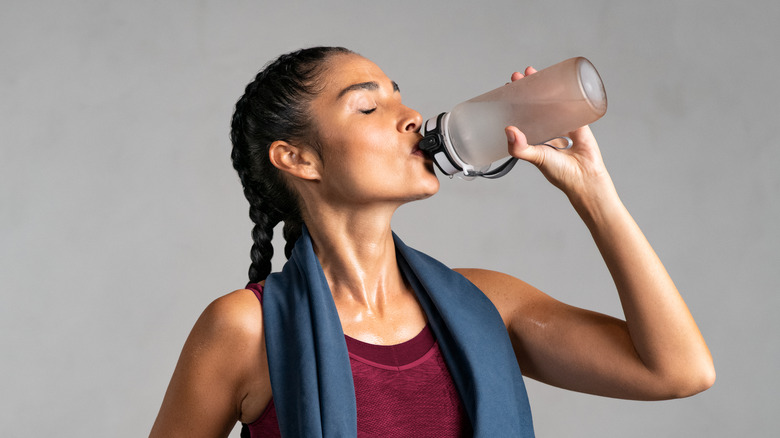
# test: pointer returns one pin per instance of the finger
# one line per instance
(582, 136)
(528, 71)
(581, 133)
(519, 147)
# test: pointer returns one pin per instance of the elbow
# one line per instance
(693, 381)
(705, 379)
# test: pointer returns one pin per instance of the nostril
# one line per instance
(415, 123)
(410, 120)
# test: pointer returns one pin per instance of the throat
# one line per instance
(398, 319)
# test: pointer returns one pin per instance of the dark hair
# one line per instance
(275, 106)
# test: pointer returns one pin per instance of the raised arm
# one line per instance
(222, 373)
(657, 352)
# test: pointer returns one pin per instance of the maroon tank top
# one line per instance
(402, 390)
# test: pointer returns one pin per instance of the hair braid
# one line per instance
(275, 106)
(262, 249)
(292, 231)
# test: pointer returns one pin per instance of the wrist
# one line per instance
(595, 199)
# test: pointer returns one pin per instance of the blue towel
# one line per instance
(309, 364)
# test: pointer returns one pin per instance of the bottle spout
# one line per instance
(434, 144)
(430, 143)
(437, 145)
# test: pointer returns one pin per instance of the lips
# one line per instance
(417, 151)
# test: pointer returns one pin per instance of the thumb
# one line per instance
(519, 147)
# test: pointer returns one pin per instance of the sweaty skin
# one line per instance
(370, 166)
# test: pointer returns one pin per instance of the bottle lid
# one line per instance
(436, 144)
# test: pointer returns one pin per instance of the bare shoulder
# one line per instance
(497, 285)
(229, 334)
(222, 373)
(510, 295)
(238, 313)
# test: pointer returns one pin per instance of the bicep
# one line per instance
(566, 346)
(577, 349)
(213, 374)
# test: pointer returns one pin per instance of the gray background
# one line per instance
(121, 217)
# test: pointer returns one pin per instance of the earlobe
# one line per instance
(294, 160)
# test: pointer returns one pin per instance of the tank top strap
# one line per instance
(257, 288)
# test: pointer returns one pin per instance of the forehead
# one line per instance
(345, 70)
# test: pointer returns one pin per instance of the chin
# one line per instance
(434, 187)
(430, 189)
(430, 181)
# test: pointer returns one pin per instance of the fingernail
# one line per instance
(510, 137)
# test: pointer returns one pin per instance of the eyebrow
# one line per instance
(371, 86)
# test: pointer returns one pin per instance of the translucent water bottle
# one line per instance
(545, 105)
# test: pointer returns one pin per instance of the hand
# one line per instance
(575, 170)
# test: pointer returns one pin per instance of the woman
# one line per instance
(322, 142)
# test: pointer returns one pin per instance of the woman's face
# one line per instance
(368, 137)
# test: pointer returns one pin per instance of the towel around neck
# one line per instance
(309, 364)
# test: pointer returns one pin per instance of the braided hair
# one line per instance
(275, 106)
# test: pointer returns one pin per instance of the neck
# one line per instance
(357, 254)
(356, 250)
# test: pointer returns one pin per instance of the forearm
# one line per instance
(661, 328)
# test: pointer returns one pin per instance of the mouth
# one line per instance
(417, 151)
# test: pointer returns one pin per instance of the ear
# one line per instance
(295, 160)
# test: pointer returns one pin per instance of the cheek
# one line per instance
(364, 156)
(367, 148)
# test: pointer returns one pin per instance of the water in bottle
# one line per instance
(545, 105)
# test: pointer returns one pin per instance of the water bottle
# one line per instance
(545, 105)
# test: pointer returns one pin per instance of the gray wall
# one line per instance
(121, 217)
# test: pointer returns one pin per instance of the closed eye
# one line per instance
(368, 111)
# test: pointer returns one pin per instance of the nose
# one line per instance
(411, 120)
